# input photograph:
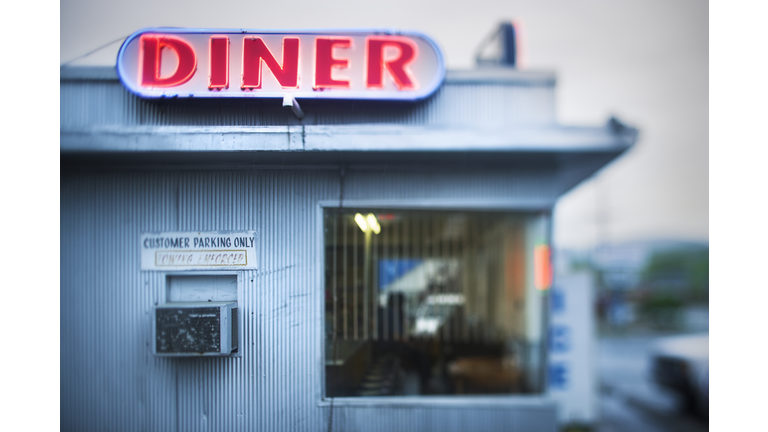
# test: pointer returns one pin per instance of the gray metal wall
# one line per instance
(110, 381)
(93, 100)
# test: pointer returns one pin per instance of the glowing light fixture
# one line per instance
(360, 219)
(542, 267)
(373, 223)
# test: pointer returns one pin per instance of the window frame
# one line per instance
(458, 400)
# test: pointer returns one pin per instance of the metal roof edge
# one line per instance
(348, 138)
(500, 75)
(469, 76)
(88, 73)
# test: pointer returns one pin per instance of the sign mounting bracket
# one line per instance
(291, 102)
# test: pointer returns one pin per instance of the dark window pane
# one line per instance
(432, 302)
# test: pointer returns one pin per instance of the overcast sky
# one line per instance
(644, 61)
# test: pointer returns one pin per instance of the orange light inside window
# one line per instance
(542, 267)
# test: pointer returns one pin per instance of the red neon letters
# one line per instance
(325, 62)
(383, 55)
(398, 67)
(150, 56)
(254, 51)
(218, 62)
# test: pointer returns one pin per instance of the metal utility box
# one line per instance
(187, 329)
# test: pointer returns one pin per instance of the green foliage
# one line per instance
(662, 312)
(581, 264)
(686, 266)
(660, 302)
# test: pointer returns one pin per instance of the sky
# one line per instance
(643, 61)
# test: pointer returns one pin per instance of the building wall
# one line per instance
(111, 381)
(97, 102)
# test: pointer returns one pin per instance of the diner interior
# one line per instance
(432, 302)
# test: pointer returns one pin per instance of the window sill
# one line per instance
(467, 401)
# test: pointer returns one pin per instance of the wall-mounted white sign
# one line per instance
(572, 381)
(212, 250)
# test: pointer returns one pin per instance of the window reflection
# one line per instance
(432, 302)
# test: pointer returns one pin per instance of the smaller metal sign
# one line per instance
(214, 250)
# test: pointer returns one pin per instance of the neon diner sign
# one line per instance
(343, 64)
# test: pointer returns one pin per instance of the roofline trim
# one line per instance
(483, 75)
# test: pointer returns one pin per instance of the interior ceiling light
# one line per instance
(360, 219)
(373, 223)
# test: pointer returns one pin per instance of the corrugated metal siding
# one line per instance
(111, 381)
(87, 105)
(432, 419)
(461, 187)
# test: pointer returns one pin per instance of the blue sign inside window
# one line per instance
(391, 270)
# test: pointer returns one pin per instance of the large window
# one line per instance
(433, 302)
